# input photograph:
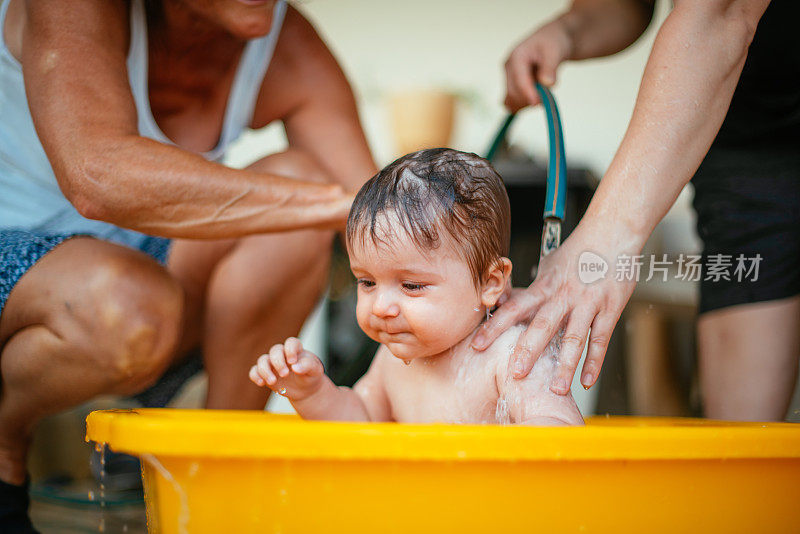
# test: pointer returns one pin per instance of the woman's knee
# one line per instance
(130, 320)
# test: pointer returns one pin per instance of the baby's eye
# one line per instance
(363, 282)
(413, 287)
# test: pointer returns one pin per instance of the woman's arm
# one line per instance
(687, 87)
(599, 28)
(590, 28)
(74, 64)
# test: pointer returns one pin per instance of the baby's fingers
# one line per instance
(255, 377)
(278, 360)
(308, 365)
(264, 370)
(292, 348)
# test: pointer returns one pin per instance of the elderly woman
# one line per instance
(124, 243)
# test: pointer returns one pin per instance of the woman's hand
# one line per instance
(558, 298)
(289, 370)
(535, 59)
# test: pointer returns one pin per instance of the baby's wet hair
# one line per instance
(432, 190)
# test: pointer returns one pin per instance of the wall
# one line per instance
(461, 45)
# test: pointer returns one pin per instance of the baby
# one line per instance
(427, 238)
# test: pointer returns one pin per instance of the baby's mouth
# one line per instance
(392, 336)
(385, 329)
(392, 333)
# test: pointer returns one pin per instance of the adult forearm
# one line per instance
(159, 189)
(601, 28)
(332, 403)
(685, 92)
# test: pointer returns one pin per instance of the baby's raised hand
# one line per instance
(289, 370)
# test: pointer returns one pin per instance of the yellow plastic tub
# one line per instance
(239, 472)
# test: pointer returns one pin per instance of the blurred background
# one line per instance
(430, 73)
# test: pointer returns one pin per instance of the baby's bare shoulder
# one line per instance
(504, 345)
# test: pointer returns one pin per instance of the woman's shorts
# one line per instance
(748, 205)
(20, 250)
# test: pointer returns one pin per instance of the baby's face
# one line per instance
(418, 304)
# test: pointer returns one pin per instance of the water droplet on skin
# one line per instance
(282, 391)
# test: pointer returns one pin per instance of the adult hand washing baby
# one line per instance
(683, 99)
(126, 248)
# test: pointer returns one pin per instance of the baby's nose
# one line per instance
(385, 305)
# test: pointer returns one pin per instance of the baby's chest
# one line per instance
(467, 398)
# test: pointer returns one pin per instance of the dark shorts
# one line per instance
(748, 205)
(20, 250)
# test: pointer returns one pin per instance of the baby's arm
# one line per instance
(529, 401)
(298, 374)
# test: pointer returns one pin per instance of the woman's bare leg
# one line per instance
(749, 359)
(261, 294)
(245, 295)
(89, 318)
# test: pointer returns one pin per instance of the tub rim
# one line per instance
(253, 434)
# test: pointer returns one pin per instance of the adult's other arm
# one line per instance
(589, 28)
(684, 96)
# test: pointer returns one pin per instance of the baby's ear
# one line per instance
(494, 282)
